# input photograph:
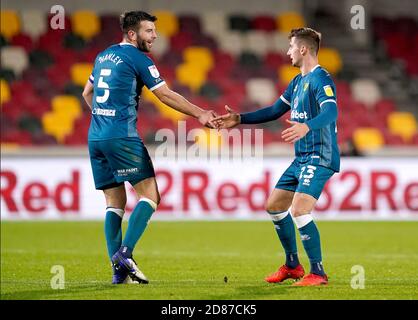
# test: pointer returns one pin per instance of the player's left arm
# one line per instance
(326, 99)
(88, 93)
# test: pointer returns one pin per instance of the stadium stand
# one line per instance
(214, 59)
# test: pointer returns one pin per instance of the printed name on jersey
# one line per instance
(110, 57)
(104, 112)
(154, 71)
(328, 91)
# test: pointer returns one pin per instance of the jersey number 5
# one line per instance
(103, 85)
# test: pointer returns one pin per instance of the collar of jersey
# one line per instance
(126, 43)
(312, 70)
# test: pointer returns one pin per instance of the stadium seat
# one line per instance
(231, 42)
(167, 23)
(191, 75)
(261, 91)
(74, 41)
(239, 23)
(200, 57)
(210, 90)
(57, 125)
(110, 24)
(249, 60)
(161, 46)
(80, 72)
(403, 124)
(5, 95)
(189, 23)
(257, 42)
(263, 23)
(368, 139)
(330, 59)
(366, 91)
(273, 60)
(214, 23)
(10, 24)
(204, 40)
(286, 73)
(289, 20)
(40, 59)
(181, 41)
(14, 58)
(85, 23)
(68, 105)
(34, 23)
(22, 40)
(279, 42)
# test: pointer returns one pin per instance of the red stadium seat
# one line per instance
(264, 23)
(24, 41)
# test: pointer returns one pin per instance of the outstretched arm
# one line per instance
(267, 114)
(180, 103)
(232, 119)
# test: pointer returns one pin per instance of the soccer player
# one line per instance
(311, 97)
(117, 153)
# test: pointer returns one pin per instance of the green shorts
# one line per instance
(114, 161)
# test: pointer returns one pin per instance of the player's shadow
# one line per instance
(59, 294)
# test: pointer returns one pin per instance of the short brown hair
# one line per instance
(309, 36)
(130, 20)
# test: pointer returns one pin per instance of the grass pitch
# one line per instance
(206, 260)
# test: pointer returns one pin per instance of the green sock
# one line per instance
(138, 222)
(285, 230)
(312, 244)
(113, 229)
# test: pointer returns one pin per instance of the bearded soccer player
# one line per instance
(311, 97)
(117, 153)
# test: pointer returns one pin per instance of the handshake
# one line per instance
(231, 119)
(210, 119)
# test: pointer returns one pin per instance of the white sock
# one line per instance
(119, 212)
(302, 220)
(278, 215)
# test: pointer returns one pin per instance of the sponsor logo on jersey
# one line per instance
(298, 115)
(154, 71)
(104, 112)
(305, 86)
(328, 91)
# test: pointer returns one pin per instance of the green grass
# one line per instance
(189, 260)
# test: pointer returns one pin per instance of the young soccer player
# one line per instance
(311, 97)
(117, 153)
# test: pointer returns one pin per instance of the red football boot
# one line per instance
(312, 280)
(284, 273)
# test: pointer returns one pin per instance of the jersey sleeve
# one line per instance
(149, 73)
(286, 97)
(91, 77)
(324, 89)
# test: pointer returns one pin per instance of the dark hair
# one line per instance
(309, 36)
(130, 20)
